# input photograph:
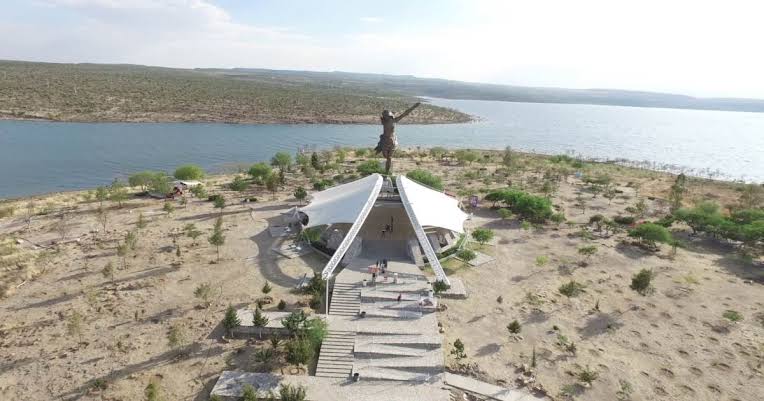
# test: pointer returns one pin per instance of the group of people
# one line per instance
(379, 268)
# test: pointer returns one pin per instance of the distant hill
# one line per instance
(121, 92)
(104, 92)
(413, 86)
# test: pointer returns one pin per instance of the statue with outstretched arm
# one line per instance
(387, 141)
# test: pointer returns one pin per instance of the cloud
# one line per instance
(700, 48)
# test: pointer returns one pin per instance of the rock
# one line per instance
(265, 300)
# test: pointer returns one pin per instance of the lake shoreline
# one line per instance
(365, 120)
(536, 155)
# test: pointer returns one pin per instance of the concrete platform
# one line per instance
(230, 386)
(488, 390)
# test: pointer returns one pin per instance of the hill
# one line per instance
(98, 92)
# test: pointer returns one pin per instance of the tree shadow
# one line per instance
(209, 384)
(536, 316)
(147, 273)
(631, 252)
(212, 215)
(266, 208)
(476, 318)
(195, 350)
(13, 365)
(733, 264)
(600, 324)
(488, 349)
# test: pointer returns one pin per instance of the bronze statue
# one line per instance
(387, 141)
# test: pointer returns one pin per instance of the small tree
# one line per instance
(651, 234)
(505, 214)
(219, 203)
(298, 351)
(122, 249)
(282, 305)
(118, 193)
(189, 172)
(192, 232)
(314, 162)
(199, 191)
(102, 195)
(168, 207)
(141, 222)
(267, 288)
(152, 391)
(272, 183)
(641, 282)
(63, 225)
(177, 338)
(131, 240)
(204, 292)
(282, 160)
(294, 322)
(458, 350)
(676, 193)
(300, 194)
(103, 218)
(230, 320)
(514, 327)
(75, 325)
(108, 271)
(217, 239)
(439, 286)
(482, 235)
(30, 208)
(259, 320)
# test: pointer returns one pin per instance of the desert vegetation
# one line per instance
(92, 92)
(594, 281)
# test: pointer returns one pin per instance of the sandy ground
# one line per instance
(671, 345)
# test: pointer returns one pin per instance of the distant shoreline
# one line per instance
(630, 165)
(256, 121)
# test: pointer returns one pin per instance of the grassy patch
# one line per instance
(453, 265)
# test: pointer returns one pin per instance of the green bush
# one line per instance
(640, 282)
(572, 289)
(370, 167)
(299, 351)
(535, 208)
(189, 172)
(260, 171)
(426, 178)
(651, 234)
(466, 255)
(732, 315)
(482, 235)
(238, 184)
(624, 220)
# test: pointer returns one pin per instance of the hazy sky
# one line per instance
(703, 48)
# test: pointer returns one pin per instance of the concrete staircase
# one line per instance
(336, 357)
(346, 300)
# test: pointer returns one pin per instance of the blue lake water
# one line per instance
(39, 157)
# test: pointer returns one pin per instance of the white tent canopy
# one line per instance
(343, 203)
(351, 203)
(432, 208)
